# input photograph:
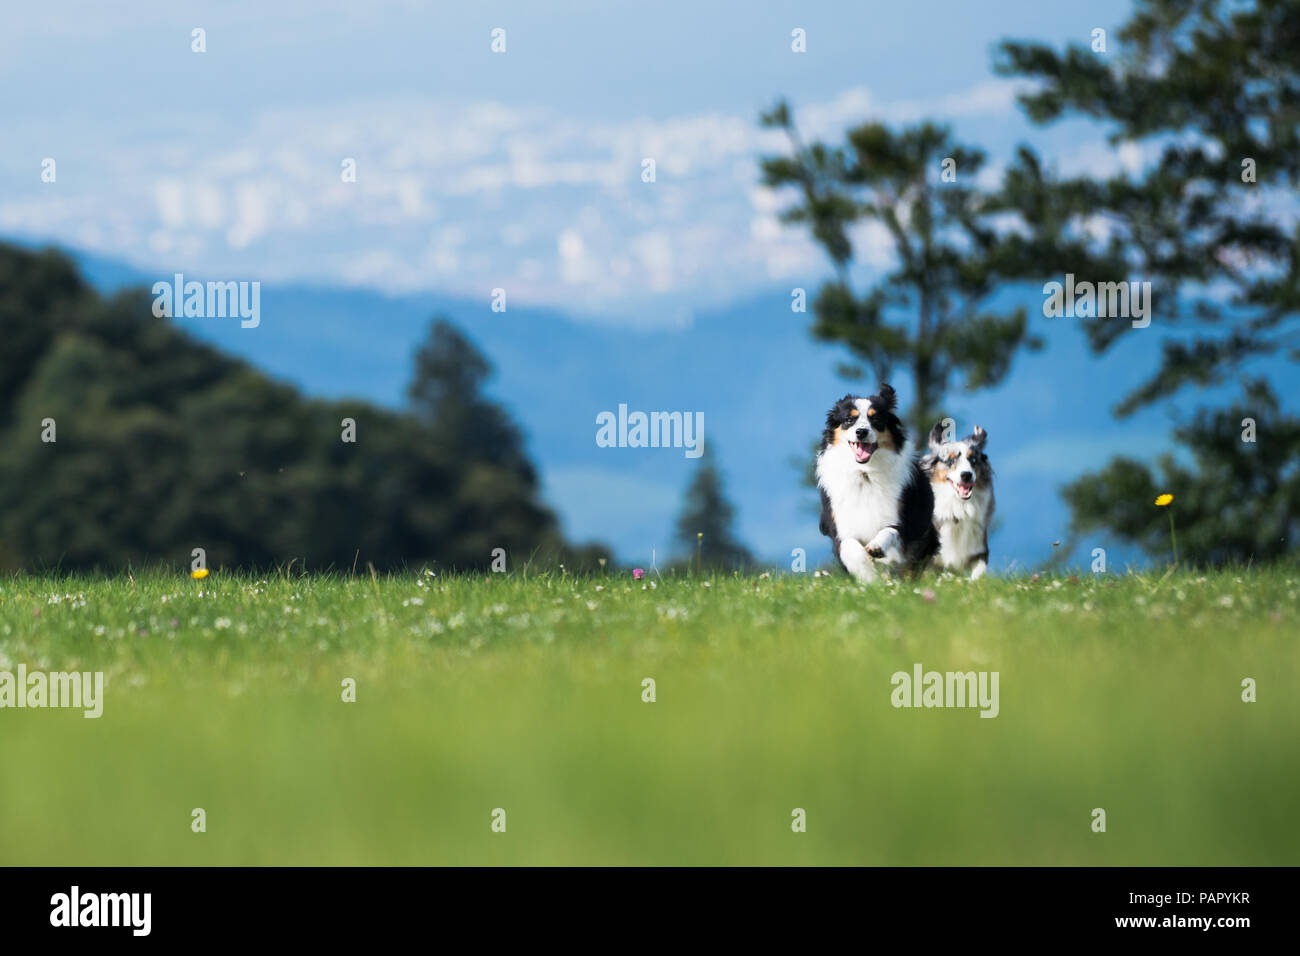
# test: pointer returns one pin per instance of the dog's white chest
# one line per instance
(962, 525)
(863, 507)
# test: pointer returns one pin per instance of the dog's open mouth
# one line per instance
(862, 451)
(964, 490)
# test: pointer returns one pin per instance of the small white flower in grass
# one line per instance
(1225, 601)
(223, 623)
(600, 587)
(413, 602)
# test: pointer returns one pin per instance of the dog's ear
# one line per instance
(936, 437)
(978, 437)
(888, 396)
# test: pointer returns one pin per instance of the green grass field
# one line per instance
(476, 693)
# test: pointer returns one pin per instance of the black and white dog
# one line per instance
(877, 506)
(962, 479)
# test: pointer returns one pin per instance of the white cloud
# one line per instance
(454, 198)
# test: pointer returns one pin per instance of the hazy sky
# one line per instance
(477, 170)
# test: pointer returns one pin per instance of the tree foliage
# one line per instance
(1208, 92)
(1235, 501)
(929, 315)
(164, 445)
(1204, 97)
(705, 525)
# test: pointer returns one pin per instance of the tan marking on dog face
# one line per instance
(885, 439)
(841, 435)
(940, 473)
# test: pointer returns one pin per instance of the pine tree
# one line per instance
(929, 314)
(704, 528)
(1209, 92)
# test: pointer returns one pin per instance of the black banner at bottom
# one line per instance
(228, 905)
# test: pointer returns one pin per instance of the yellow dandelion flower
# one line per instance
(199, 574)
(1164, 500)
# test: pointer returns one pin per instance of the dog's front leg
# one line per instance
(887, 547)
(855, 559)
(977, 570)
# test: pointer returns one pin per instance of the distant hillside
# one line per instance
(127, 441)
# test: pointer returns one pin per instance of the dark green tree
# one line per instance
(705, 525)
(1209, 93)
(163, 445)
(1238, 502)
(487, 494)
(1212, 90)
(930, 315)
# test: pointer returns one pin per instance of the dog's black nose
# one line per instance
(862, 434)
(967, 477)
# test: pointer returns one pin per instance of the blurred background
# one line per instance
(839, 194)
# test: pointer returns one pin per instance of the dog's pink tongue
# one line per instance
(863, 453)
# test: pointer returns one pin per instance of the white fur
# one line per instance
(866, 501)
(963, 525)
(858, 562)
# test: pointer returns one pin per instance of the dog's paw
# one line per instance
(886, 546)
(854, 557)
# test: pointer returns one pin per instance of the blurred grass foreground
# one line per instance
(522, 701)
